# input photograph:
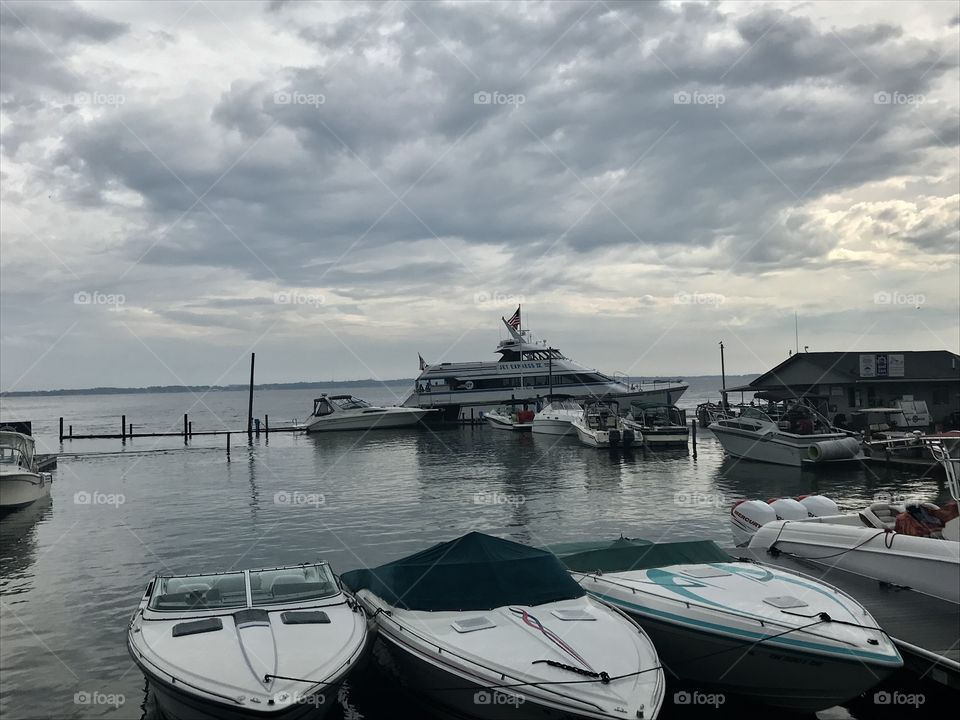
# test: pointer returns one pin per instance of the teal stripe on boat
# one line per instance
(845, 653)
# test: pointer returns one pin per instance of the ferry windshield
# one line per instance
(308, 582)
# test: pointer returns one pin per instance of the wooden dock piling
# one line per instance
(228, 447)
(266, 424)
(61, 429)
(693, 433)
(253, 358)
(123, 427)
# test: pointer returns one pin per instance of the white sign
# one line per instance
(895, 365)
(868, 365)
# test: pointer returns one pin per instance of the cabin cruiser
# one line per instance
(659, 424)
(788, 433)
(504, 418)
(600, 425)
(915, 545)
(557, 416)
(487, 628)
(773, 636)
(272, 643)
(346, 412)
(527, 370)
(21, 482)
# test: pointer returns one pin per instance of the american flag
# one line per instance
(423, 363)
(514, 320)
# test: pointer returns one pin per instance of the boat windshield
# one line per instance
(350, 403)
(12, 456)
(755, 414)
(200, 592)
(307, 582)
(661, 416)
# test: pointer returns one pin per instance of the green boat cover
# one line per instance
(473, 572)
(624, 555)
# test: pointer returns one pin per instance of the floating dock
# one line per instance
(925, 629)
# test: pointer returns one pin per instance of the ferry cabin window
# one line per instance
(296, 584)
(201, 592)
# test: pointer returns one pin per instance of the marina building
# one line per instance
(844, 382)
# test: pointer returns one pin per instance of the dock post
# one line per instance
(190, 428)
(123, 427)
(61, 429)
(186, 425)
(256, 426)
(472, 421)
(130, 433)
(71, 432)
(693, 432)
(228, 447)
(253, 358)
(266, 424)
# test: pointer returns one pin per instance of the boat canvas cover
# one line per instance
(473, 572)
(627, 555)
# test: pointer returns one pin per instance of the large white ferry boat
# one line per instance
(527, 373)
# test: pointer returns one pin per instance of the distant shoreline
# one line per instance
(155, 389)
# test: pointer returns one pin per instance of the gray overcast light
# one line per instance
(342, 186)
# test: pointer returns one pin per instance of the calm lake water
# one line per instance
(71, 571)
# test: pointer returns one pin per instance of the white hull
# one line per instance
(550, 426)
(926, 565)
(593, 438)
(20, 488)
(389, 418)
(773, 447)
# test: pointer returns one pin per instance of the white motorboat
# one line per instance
(491, 629)
(272, 643)
(773, 636)
(527, 370)
(346, 412)
(925, 558)
(788, 434)
(504, 418)
(659, 424)
(21, 482)
(601, 426)
(557, 416)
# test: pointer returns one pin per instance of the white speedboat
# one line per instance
(659, 424)
(772, 636)
(792, 434)
(527, 370)
(866, 543)
(253, 644)
(21, 483)
(345, 412)
(504, 418)
(557, 416)
(601, 426)
(490, 629)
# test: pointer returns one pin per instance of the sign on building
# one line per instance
(881, 365)
(868, 365)
(895, 365)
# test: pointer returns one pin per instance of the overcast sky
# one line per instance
(340, 187)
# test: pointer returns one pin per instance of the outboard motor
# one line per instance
(614, 436)
(819, 505)
(627, 437)
(748, 516)
(789, 509)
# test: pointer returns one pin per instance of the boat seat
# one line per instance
(284, 580)
(186, 587)
(231, 585)
(880, 515)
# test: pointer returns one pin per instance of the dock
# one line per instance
(925, 629)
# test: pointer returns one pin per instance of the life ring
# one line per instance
(916, 418)
(468, 385)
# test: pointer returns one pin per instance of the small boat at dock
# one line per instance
(272, 643)
(346, 412)
(21, 482)
(557, 416)
(487, 628)
(600, 426)
(660, 425)
(773, 636)
(504, 418)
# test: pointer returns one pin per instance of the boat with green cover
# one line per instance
(720, 623)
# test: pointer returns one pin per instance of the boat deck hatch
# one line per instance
(197, 626)
(312, 617)
(472, 624)
(705, 571)
(250, 617)
(785, 601)
(572, 615)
